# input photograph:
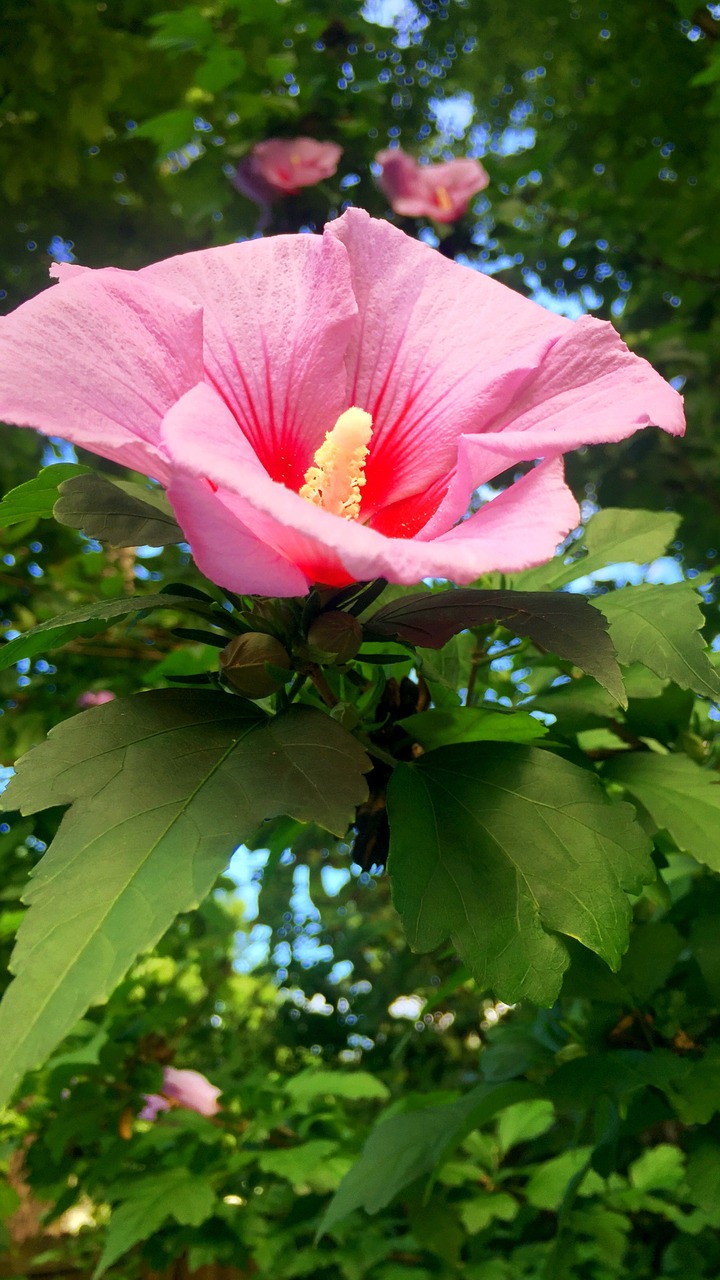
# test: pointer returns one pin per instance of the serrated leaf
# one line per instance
(162, 787)
(659, 627)
(679, 796)
(612, 536)
(411, 1145)
(168, 1193)
(87, 619)
(117, 512)
(471, 724)
(501, 848)
(36, 497)
(556, 623)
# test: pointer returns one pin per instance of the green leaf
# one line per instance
(311, 1084)
(549, 1181)
(650, 959)
(662, 1168)
(477, 1214)
(162, 787)
(86, 620)
(117, 512)
(472, 724)
(679, 796)
(556, 623)
(411, 1145)
(613, 536)
(524, 1121)
(300, 1164)
(695, 1095)
(170, 130)
(223, 67)
(36, 497)
(151, 1200)
(659, 626)
(181, 30)
(502, 847)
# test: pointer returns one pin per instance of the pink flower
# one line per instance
(154, 1104)
(281, 166)
(90, 699)
(222, 372)
(185, 1088)
(439, 191)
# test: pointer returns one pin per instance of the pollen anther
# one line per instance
(337, 475)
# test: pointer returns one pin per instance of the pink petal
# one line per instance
(224, 548)
(441, 352)
(588, 389)
(520, 528)
(439, 191)
(191, 1089)
(154, 1103)
(277, 314)
(286, 164)
(529, 372)
(98, 360)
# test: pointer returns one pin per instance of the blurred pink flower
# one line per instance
(183, 1088)
(154, 1104)
(281, 166)
(90, 699)
(322, 408)
(439, 191)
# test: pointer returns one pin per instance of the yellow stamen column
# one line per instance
(337, 475)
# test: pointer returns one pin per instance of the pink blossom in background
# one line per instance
(439, 191)
(90, 699)
(321, 408)
(154, 1104)
(183, 1088)
(281, 166)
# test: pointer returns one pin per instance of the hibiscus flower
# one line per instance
(322, 408)
(281, 166)
(182, 1088)
(439, 191)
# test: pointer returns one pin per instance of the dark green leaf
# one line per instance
(501, 848)
(411, 1145)
(36, 497)
(659, 627)
(167, 1193)
(162, 788)
(117, 512)
(679, 796)
(86, 620)
(556, 623)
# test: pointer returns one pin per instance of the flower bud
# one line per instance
(335, 637)
(242, 662)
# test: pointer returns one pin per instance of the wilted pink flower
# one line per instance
(321, 408)
(90, 699)
(281, 166)
(439, 191)
(184, 1088)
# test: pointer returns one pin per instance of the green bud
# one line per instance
(242, 663)
(335, 636)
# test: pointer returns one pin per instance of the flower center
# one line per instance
(442, 199)
(337, 474)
